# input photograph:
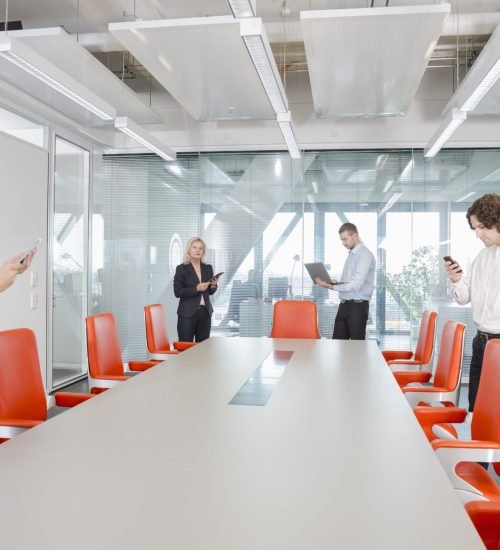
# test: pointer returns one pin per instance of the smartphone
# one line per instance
(216, 276)
(24, 255)
(450, 259)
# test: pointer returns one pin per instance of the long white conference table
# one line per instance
(334, 460)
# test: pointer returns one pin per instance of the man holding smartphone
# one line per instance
(481, 285)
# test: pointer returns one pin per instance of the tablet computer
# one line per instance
(318, 269)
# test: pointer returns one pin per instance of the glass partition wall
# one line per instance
(69, 266)
(264, 215)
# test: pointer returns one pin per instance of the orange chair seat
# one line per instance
(393, 355)
(478, 477)
(435, 404)
(141, 366)
(403, 378)
(182, 346)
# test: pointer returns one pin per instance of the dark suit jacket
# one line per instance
(185, 282)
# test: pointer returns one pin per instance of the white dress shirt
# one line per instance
(359, 271)
(481, 287)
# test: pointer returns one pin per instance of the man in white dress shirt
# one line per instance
(355, 288)
(481, 285)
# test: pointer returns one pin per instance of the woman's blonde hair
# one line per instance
(189, 244)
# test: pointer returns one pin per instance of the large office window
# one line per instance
(263, 215)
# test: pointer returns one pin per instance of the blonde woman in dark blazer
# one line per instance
(194, 283)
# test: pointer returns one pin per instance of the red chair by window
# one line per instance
(295, 319)
(400, 360)
(460, 453)
(445, 384)
(486, 519)
(23, 403)
(105, 361)
(156, 333)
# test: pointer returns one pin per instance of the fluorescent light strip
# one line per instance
(388, 185)
(285, 124)
(465, 197)
(482, 88)
(46, 79)
(455, 119)
(407, 169)
(258, 53)
(134, 131)
(242, 8)
(390, 203)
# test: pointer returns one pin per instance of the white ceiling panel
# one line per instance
(369, 62)
(203, 63)
(64, 52)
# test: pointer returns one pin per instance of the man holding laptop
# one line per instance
(355, 287)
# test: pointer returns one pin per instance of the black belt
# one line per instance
(485, 336)
(353, 301)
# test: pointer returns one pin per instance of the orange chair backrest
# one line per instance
(426, 337)
(21, 389)
(451, 349)
(156, 329)
(103, 346)
(295, 319)
(485, 516)
(486, 417)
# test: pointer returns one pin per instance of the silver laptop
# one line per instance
(318, 269)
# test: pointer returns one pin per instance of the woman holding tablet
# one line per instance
(194, 283)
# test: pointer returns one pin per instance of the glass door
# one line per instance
(70, 261)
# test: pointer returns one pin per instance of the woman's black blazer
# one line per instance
(185, 282)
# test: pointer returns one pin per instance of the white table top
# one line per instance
(334, 460)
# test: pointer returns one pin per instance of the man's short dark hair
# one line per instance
(487, 210)
(350, 227)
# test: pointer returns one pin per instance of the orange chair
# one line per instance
(105, 360)
(445, 383)
(486, 519)
(459, 457)
(295, 319)
(156, 333)
(23, 403)
(405, 360)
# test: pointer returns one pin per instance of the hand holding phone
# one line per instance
(30, 250)
(453, 263)
(216, 277)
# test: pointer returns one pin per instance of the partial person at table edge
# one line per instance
(194, 283)
(356, 290)
(11, 268)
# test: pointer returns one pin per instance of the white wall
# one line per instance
(23, 218)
